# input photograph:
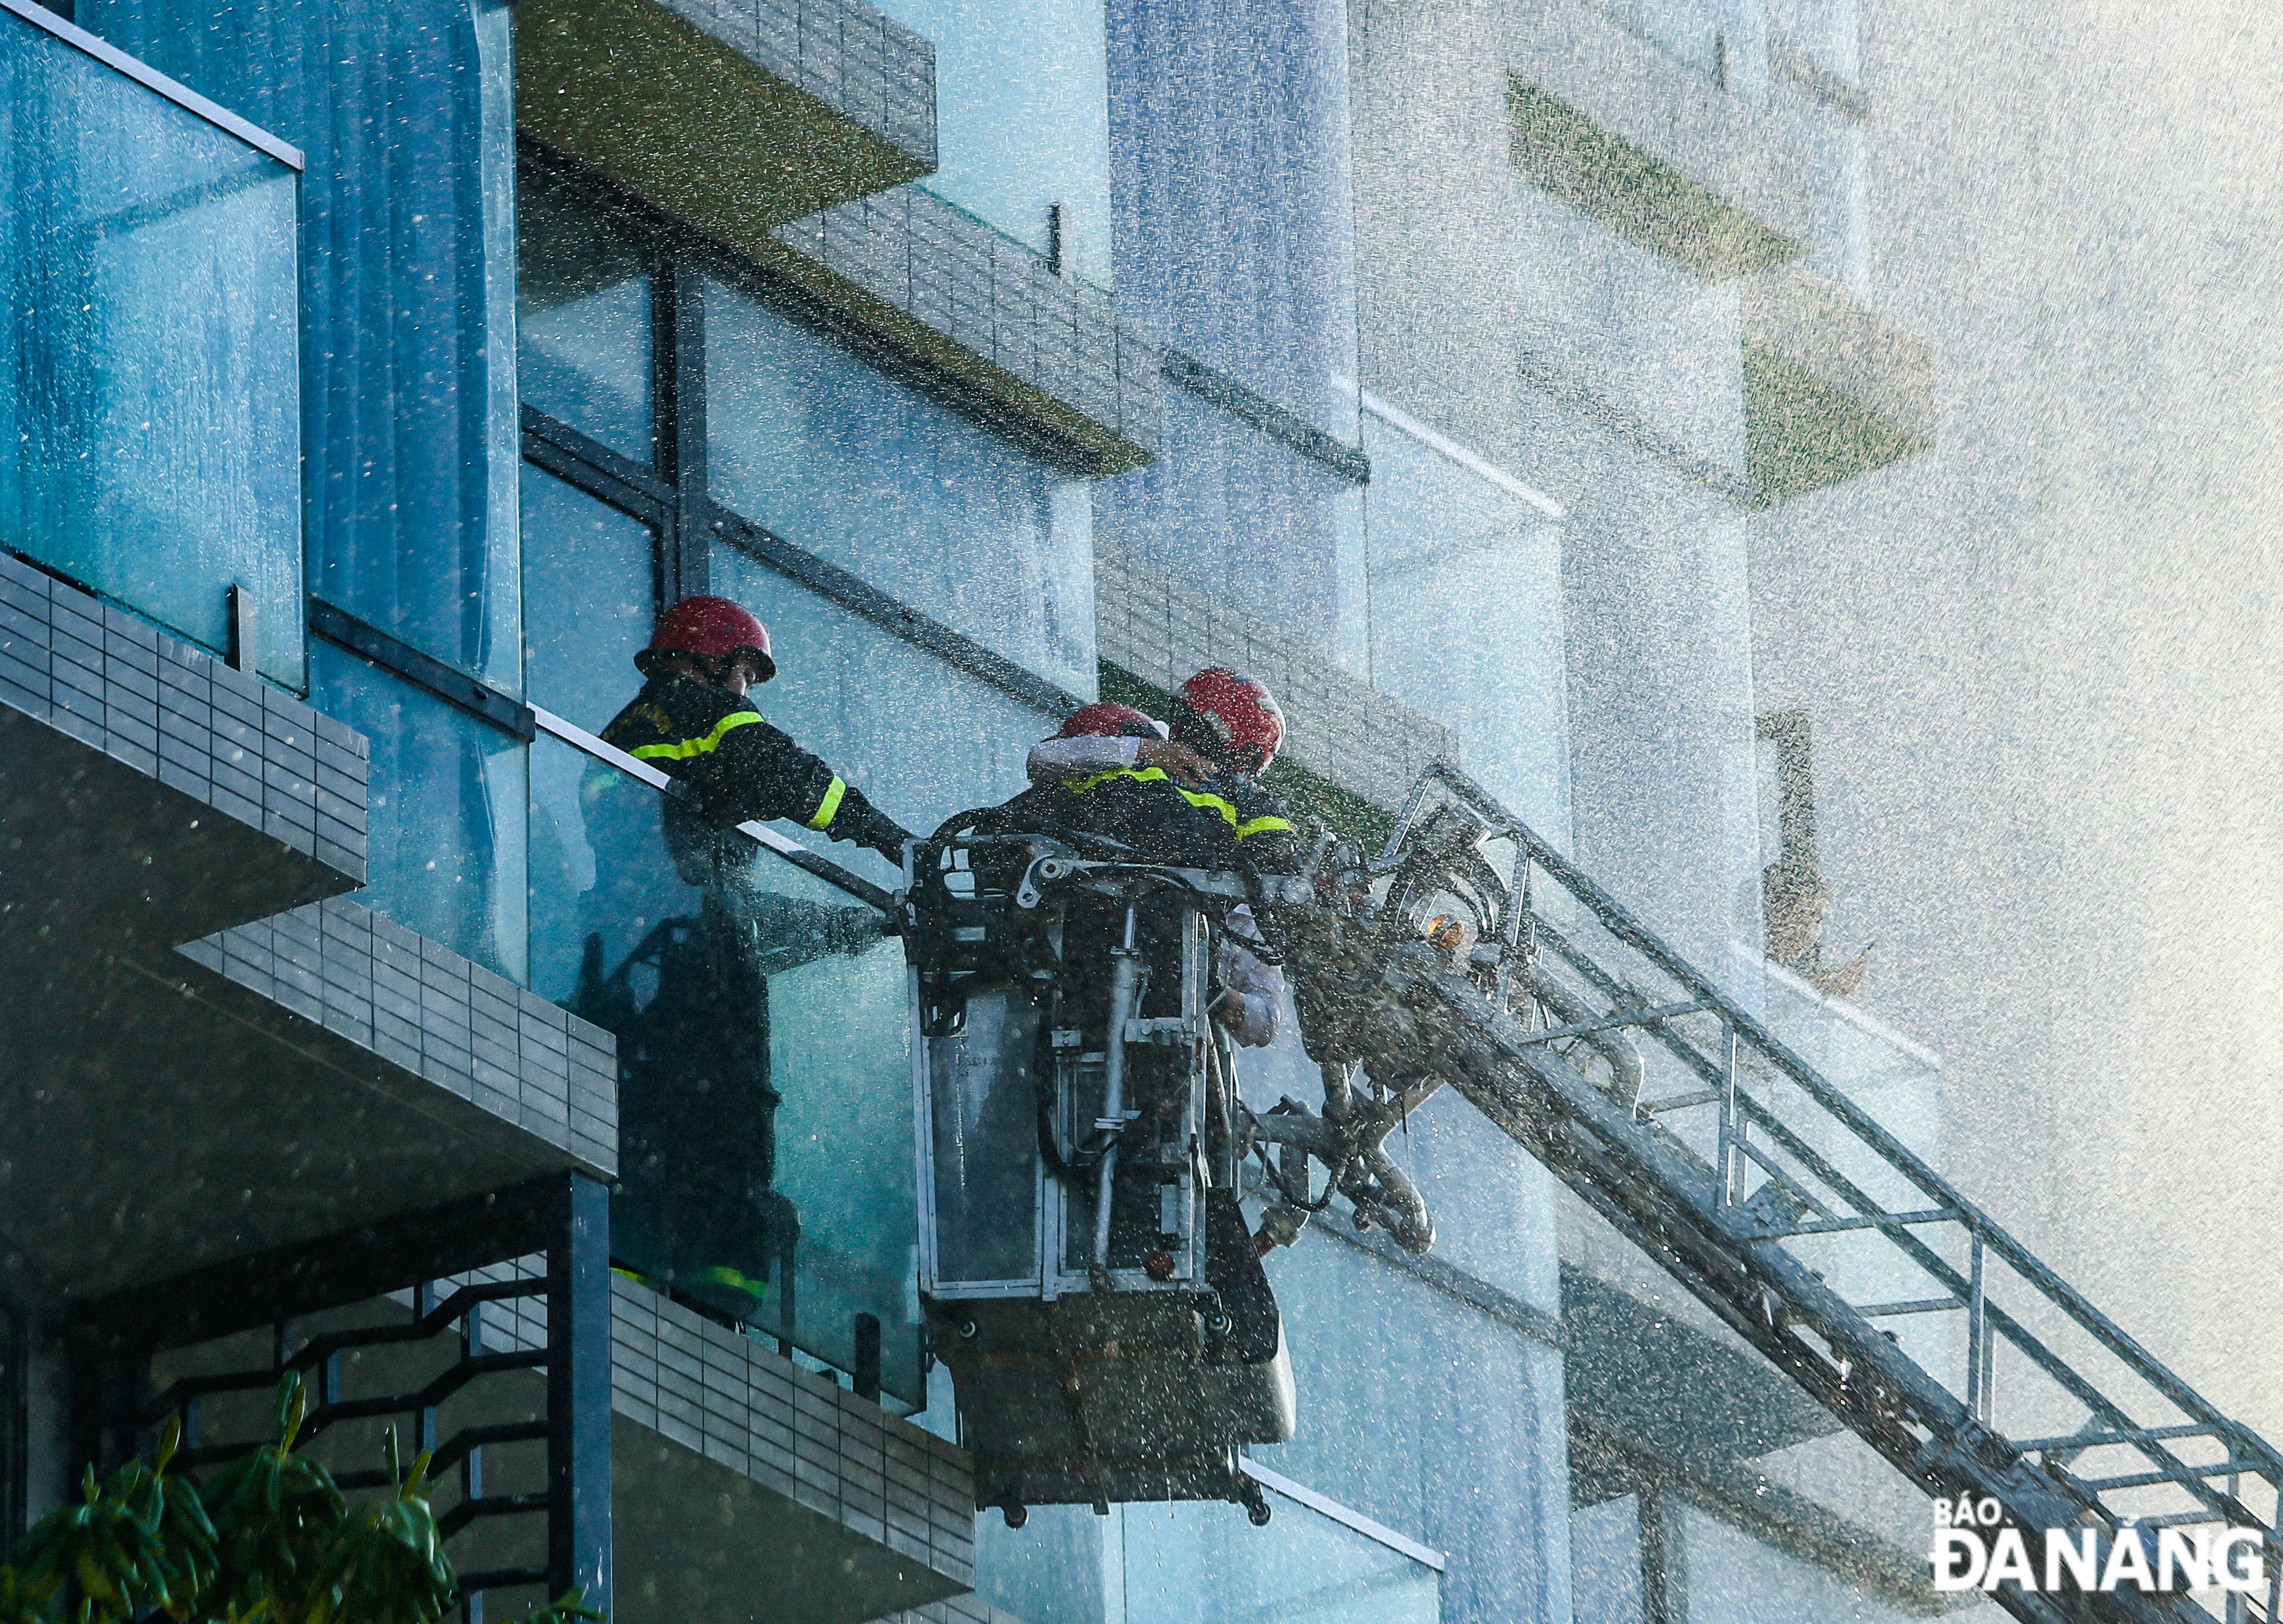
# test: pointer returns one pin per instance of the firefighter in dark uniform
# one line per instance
(1226, 729)
(1112, 772)
(1234, 723)
(697, 1135)
(1189, 797)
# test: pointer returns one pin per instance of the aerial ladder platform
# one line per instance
(1470, 953)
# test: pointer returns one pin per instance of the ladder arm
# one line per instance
(1789, 1155)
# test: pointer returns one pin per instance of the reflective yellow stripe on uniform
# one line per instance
(828, 806)
(705, 745)
(1211, 803)
(1202, 800)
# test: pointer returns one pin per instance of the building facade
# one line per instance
(1492, 380)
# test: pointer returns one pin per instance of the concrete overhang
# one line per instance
(96, 853)
(747, 1490)
(1830, 390)
(186, 1112)
(697, 1540)
(1622, 133)
(150, 793)
(734, 118)
(200, 1059)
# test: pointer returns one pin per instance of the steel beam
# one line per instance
(578, 1394)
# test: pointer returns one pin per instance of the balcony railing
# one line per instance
(765, 1091)
(149, 396)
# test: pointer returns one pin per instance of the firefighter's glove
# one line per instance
(887, 839)
(1251, 1000)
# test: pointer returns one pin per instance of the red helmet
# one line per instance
(1242, 715)
(1108, 721)
(713, 626)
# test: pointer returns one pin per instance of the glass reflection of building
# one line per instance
(1448, 448)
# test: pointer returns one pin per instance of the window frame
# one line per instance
(673, 494)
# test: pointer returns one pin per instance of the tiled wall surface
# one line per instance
(435, 1015)
(994, 298)
(1163, 630)
(867, 66)
(789, 1430)
(172, 711)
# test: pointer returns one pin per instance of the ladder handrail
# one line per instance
(1621, 923)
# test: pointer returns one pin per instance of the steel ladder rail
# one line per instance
(1998, 1321)
(1640, 1178)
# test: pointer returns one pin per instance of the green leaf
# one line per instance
(292, 1406)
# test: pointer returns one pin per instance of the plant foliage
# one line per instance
(270, 1539)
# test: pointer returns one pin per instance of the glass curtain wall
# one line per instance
(1466, 617)
(1700, 1567)
(1433, 1418)
(1022, 122)
(1176, 1562)
(149, 384)
(583, 317)
(1817, 107)
(1724, 40)
(764, 1086)
(444, 812)
(806, 440)
(1605, 1561)
(1194, 1564)
(1731, 1578)
(407, 295)
(1235, 241)
(1631, 327)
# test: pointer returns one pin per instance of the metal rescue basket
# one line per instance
(1087, 1274)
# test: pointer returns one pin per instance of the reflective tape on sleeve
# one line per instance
(1211, 803)
(828, 806)
(706, 744)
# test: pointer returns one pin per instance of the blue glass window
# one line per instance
(1605, 1561)
(764, 1100)
(1650, 337)
(922, 738)
(1234, 223)
(928, 505)
(582, 315)
(407, 297)
(1022, 119)
(1197, 1564)
(1735, 1579)
(1277, 535)
(1689, 30)
(588, 600)
(447, 811)
(1466, 618)
(1393, 1373)
(150, 444)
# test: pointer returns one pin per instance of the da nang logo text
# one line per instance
(1971, 1551)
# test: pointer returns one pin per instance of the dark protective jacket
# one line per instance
(743, 768)
(1258, 822)
(1229, 823)
(1141, 808)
